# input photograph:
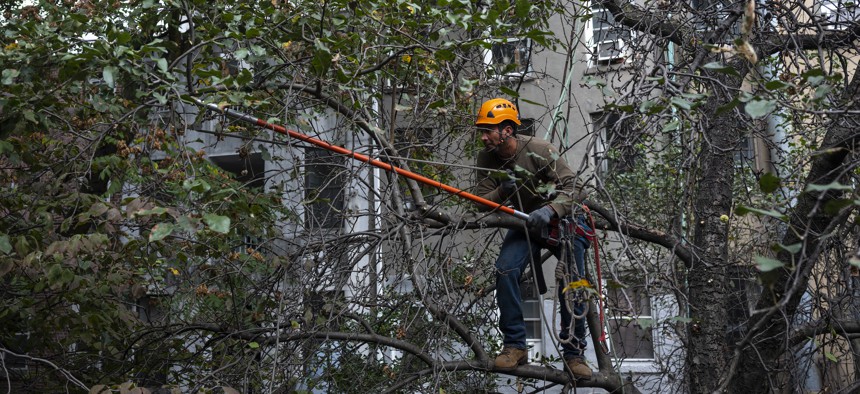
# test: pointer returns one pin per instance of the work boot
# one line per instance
(511, 357)
(577, 366)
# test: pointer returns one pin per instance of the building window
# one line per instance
(323, 311)
(614, 151)
(248, 169)
(609, 42)
(630, 323)
(710, 16)
(527, 127)
(745, 153)
(414, 143)
(13, 364)
(509, 58)
(324, 183)
(532, 316)
(839, 14)
(743, 292)
(151, 310)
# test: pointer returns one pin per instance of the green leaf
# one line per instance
(766, 264)
(757, 108)
(196, 185)
(123, 37)
(160, 97)
(769, 182)
(30, 115)
(154, 211)
(743, 210)
(855, 261)
(321, 61)
(680, 103)
(671, 126)
(9, 76)
(822, 91)
(833, 207)
(5, 245)
(831, 357)
(444, 55)
(509, 92)
(682, 319)
(722, 68)
(793, 248)
(776, 85)
(815, 72)
(162, 64)
(830, 186)
(108, 73)
(160, 231)
(728, 106)
(217, 223)
(546, 188)
(253, 345)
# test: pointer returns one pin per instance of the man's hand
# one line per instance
(540, 218)
(509, 185)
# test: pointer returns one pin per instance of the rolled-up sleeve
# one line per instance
(570, 190)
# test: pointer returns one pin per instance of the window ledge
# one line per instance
(639, 366)
(600, 68)
(514, 77)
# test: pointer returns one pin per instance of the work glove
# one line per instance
(539, 219)
(509, 185)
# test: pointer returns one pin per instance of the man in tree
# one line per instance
(539, 182)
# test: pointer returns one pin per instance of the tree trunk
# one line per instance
(707, 273)
(809, 223)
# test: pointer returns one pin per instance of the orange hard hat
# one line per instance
(496, 111)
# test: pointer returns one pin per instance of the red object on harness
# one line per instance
(592, 236)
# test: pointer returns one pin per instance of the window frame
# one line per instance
(524, 71)
(333, 180)
(625, 36)
(602, 124)
(838, 16)
(615, 331)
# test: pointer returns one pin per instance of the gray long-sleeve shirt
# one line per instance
(541, 173)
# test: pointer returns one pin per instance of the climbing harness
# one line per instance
(577, 289)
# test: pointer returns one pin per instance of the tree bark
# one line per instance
(707, 274)
(809, 224)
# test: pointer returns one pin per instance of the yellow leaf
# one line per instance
(174, 271)
(577, 285)
(406, 58)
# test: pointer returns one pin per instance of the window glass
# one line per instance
(527, 127)
(615, 152)
(324, 181)
(630, 323)
(511, 57)
(609, 41)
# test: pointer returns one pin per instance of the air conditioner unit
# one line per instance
(610, 50)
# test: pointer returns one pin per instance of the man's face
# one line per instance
(492, 135)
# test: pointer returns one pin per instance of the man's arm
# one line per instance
(488, 185)
(570, 190)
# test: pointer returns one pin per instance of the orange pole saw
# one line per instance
(360, 157)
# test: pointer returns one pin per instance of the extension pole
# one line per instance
(360, 157)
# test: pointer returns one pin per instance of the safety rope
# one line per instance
(563, 278)
(592, 236)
